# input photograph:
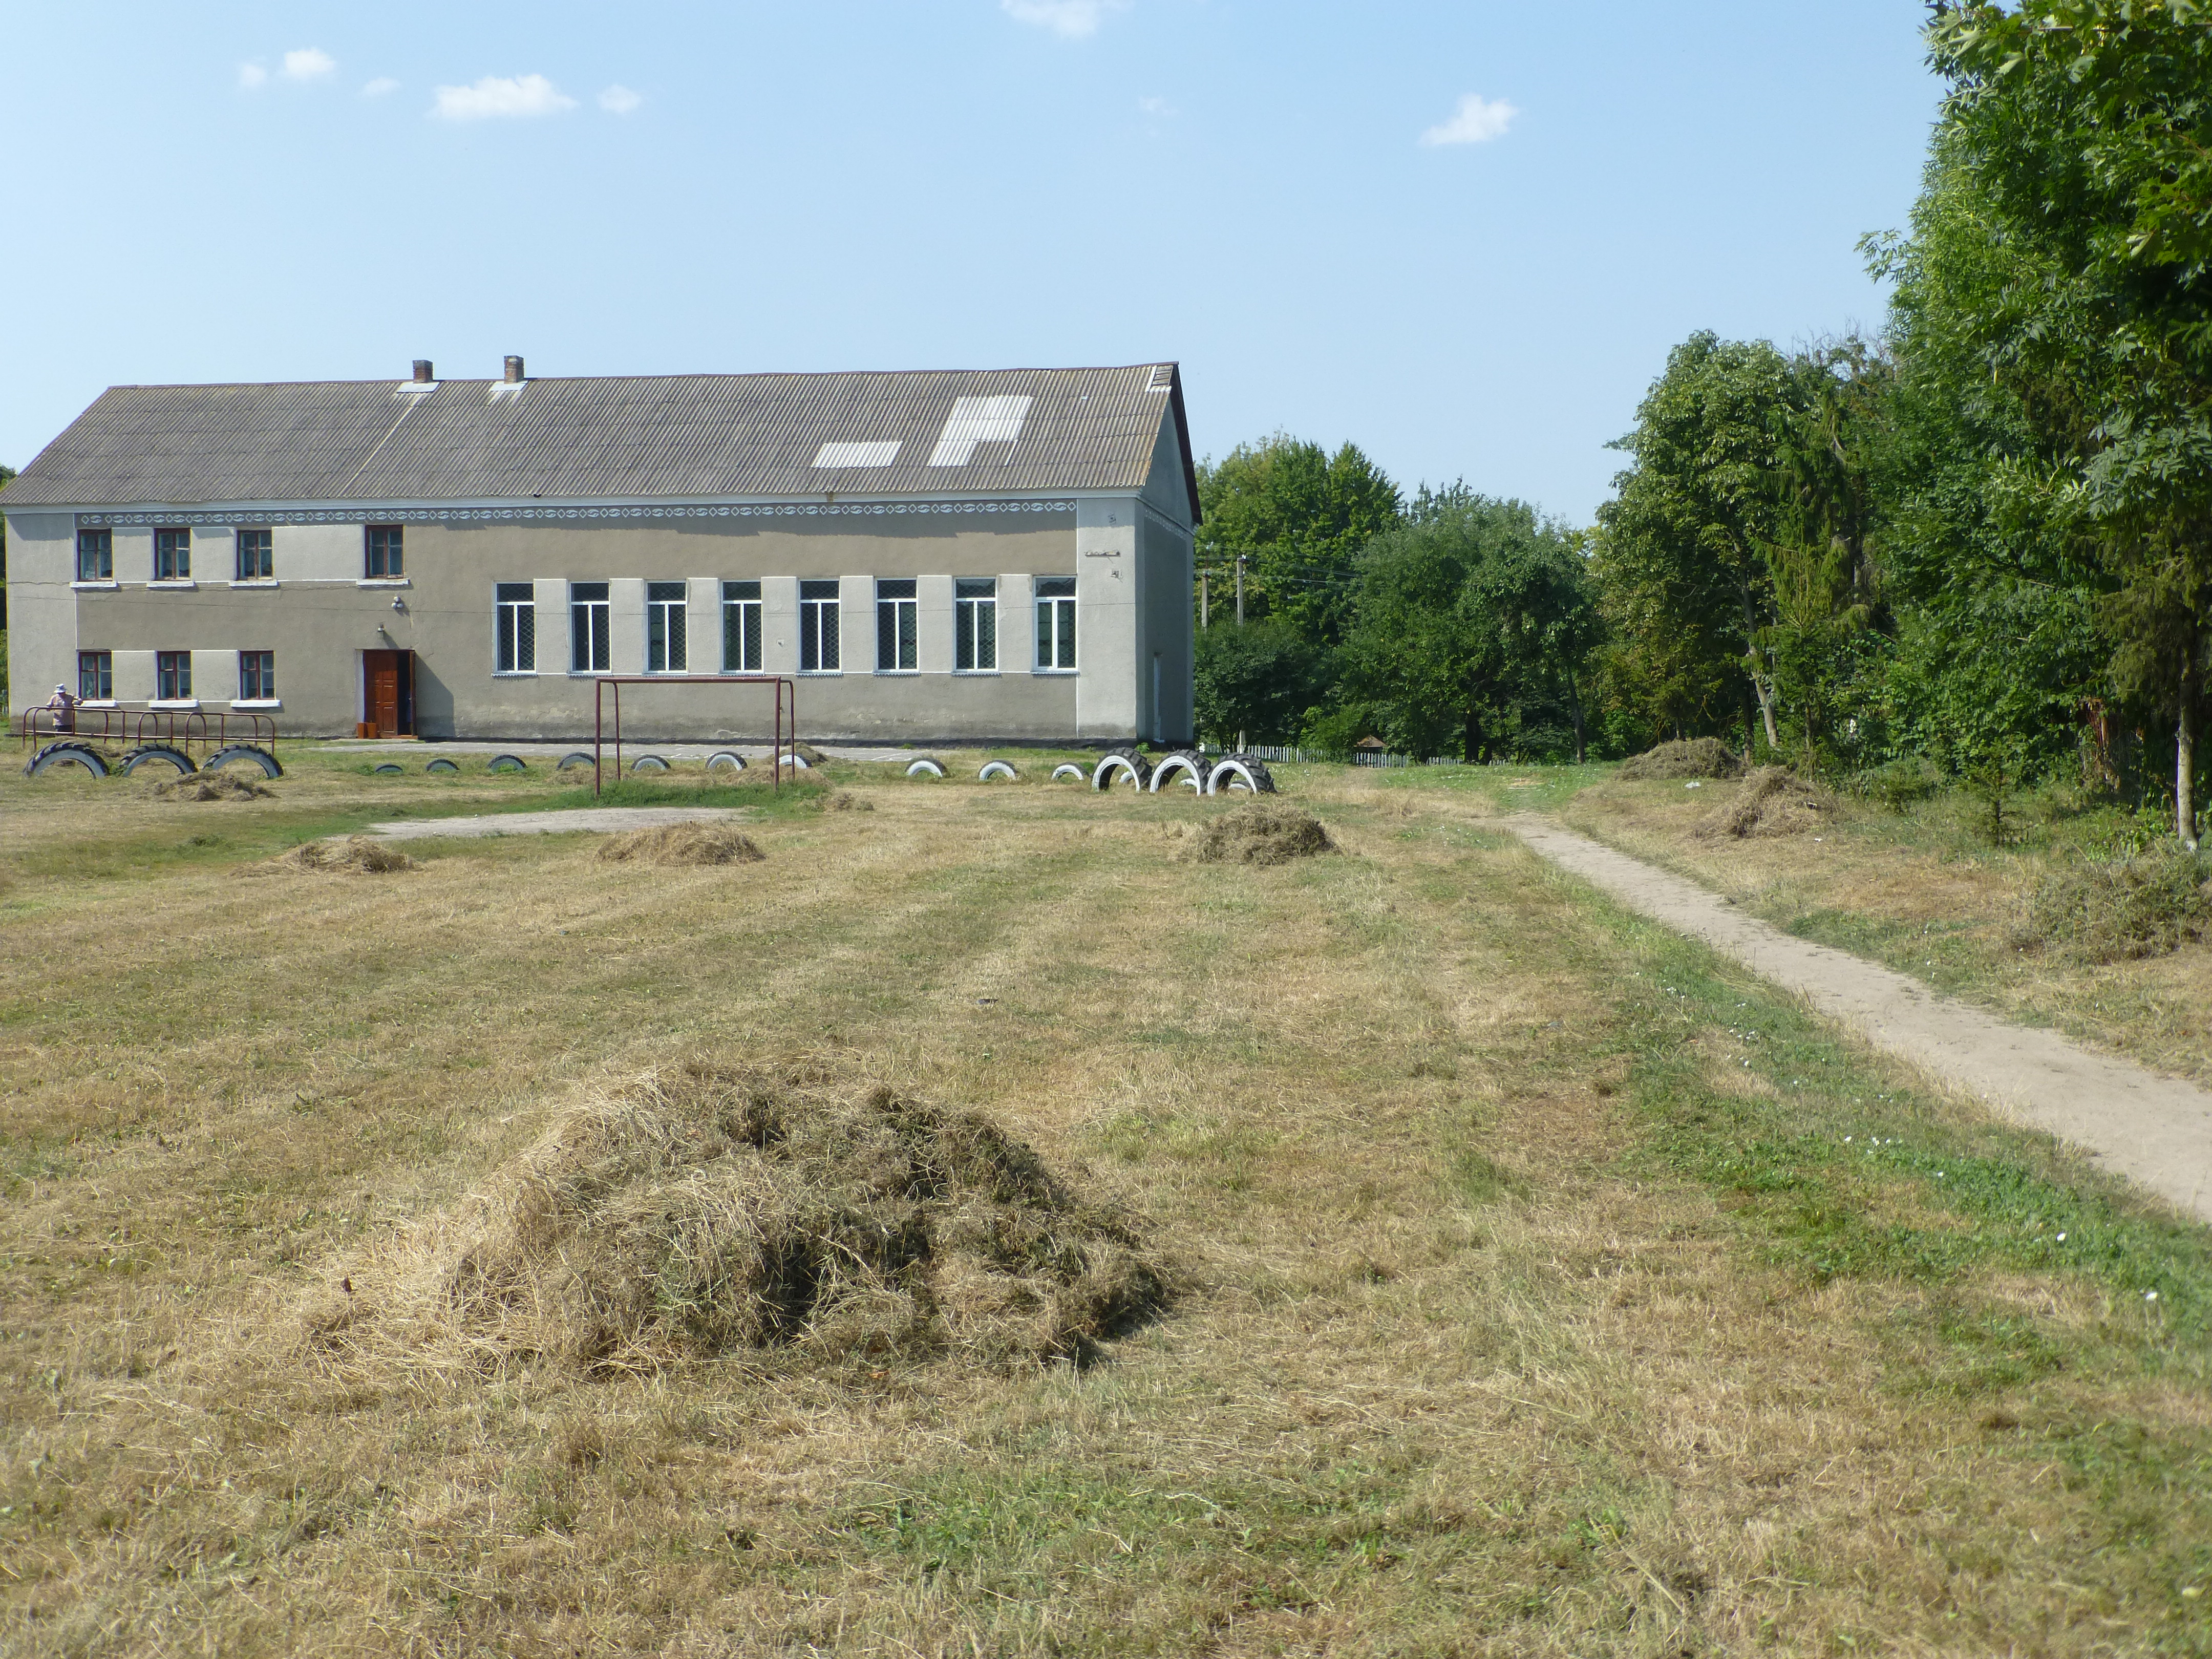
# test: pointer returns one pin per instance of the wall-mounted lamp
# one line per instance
(398, 603)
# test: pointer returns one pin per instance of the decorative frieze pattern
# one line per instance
(532, 513)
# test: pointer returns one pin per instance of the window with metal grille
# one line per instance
(256, 555)
(665, 652)
(898, 626)
(172, 675)
(1055, 612)
(588, 633)
(95, 556)
(256, 676)
(818, 627)
(975, 624)
(385, 556)
(515, 604)
(173, 555)
(95, 676)
(741, 628)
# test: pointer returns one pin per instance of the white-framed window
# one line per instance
(95, 556)
(173, 557)
(172, 675)
(665, 650)
(975, 624)
(818, 627)
(256, 676)
(1056, 630)
(898, 626)
(515, 604)
(256, 555)
(741, 628)
(95, 676)
(589, 636)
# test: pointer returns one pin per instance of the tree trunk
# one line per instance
(1765, 709)
(1575, 709)
(2184, 751)
(1471, 738)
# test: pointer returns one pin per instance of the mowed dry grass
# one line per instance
(1457, 1366)
(1919, 895)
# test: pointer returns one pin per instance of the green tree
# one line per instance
(1258, 681)
(1298, 517)
(2080, 125)
(1473, 629)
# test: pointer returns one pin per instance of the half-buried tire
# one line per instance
(159, 754)
(507, 764)
(925, 768)
(247, 754)
(1068, 773)
(997, 769)
(649, 763)
(56, 755)
(1117, 764)
(726, 760)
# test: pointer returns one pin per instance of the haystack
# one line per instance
(1698, 758)
(846, 801)
(355, 855)
(784, 1213)
(1773, 801)
(1264, 832)
(689, 843)
(210, 786)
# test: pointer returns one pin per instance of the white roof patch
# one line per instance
(978, 420)
(868, 455)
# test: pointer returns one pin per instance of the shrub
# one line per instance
(2120, 910)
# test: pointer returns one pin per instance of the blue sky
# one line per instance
(1463, 236)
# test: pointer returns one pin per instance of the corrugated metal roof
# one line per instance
(627, 437)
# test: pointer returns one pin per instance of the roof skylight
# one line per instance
(978, 420)
(868, 454)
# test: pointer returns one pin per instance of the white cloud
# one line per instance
(308, 63)
(1156, 107)
(251, 76)
(619, 99)
(383, 86)
(1073, 19)
(1476, 121)
(501, 95)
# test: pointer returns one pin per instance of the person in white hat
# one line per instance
(64, 706)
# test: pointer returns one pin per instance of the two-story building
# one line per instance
(970, 557)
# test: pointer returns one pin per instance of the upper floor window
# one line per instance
(384, 557)
(256, 676)
(516, 603)
(588, 633)
(173, 555)
(665, 652)
(256, 555)
(1055, 633)
(974, 624)
(95, 556)
(172, 675)
(741, 628)
(898, 625)
(95, 676)
(818, 627)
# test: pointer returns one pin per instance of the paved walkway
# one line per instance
(632, 748)
(2157, 1131)
(583, 819)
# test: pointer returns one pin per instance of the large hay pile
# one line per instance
(706, 1211)
(2121, 910)
(354, 855)
(210, 786)
(1264, 832)
(691, 843)
(1699, 757)
(1773, 801)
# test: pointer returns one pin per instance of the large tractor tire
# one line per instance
(248, 754)
(158, 754)
(67, 752)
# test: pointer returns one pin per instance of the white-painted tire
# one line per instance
(726, 760)
(649, 763)
(1112, 769)
(924, 768)
(1228, 775)
(1066, 771)
(997, 769)
(1178, 765)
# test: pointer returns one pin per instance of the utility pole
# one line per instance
(1240, 590)
(1201, 599)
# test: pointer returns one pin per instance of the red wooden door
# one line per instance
(386, 699)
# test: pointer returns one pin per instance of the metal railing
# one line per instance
(124, 727)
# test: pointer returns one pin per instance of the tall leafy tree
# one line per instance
(2080, 124)
(1258, 681)
(1474, 628)
(1297, 516)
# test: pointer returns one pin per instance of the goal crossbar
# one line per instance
(784, 732)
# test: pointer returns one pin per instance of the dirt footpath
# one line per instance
(2156, 1131)
(553, 824)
